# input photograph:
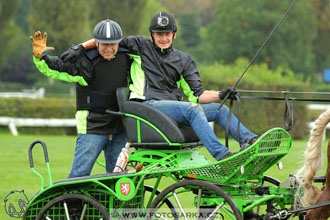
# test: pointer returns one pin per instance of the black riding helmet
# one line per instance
(162, 22)
(108, 32)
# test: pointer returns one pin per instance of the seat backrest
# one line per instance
(122, 94)
(142, 132)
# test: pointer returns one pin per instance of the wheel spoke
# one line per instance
(83, 212)
(228, 210)
(179, 204)
(166, 204)
(66, 210)
(199, 195)
(47, 218)
(79, 206)
(199, 201)
(215, 210)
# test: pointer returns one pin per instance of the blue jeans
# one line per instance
(89, 147)
(221, 118)
(198, 116)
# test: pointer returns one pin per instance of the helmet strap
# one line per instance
(152, 37)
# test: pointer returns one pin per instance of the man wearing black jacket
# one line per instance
(163, 73)
(97, 73)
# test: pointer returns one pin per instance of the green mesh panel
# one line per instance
(90, 189)
(258, 158)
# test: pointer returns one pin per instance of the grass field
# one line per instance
(15, 172)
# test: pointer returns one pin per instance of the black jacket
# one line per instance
(162, 70)
(98, 93)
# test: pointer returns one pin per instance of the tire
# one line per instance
(167, 202)
(271, 180)
(195, 189)
(73, 206)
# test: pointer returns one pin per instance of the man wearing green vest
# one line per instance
(97, 74)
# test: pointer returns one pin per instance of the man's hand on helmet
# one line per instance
(72, 53)
(39, 45)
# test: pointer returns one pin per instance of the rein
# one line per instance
(259, 50)
(284, 214)
(288, 108)
(288, 113)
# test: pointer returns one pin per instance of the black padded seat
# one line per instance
(97, 176)
(174, 132)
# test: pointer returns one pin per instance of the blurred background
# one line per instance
(221, 35)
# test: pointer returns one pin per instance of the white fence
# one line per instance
(12, 123)
(318, 107)
(34, 94)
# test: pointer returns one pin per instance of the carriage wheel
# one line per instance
(167, 204)
(192, 197)
(72, 207)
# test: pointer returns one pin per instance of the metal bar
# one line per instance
(260, 91)
(49, 174)
(311, 207)
(282, 98)
(41, 178)
(154, 191)
(260, 201)
(199, 201)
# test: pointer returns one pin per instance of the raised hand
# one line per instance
(39, 45)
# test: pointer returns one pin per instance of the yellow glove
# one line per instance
(39, 45)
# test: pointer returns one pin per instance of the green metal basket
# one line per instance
(245, 165)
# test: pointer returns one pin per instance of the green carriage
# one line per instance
(193, 187)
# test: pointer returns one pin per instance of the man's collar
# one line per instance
(169, 49)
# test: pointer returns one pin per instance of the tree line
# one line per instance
(212, 31)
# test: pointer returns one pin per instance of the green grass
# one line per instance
(16, 174)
